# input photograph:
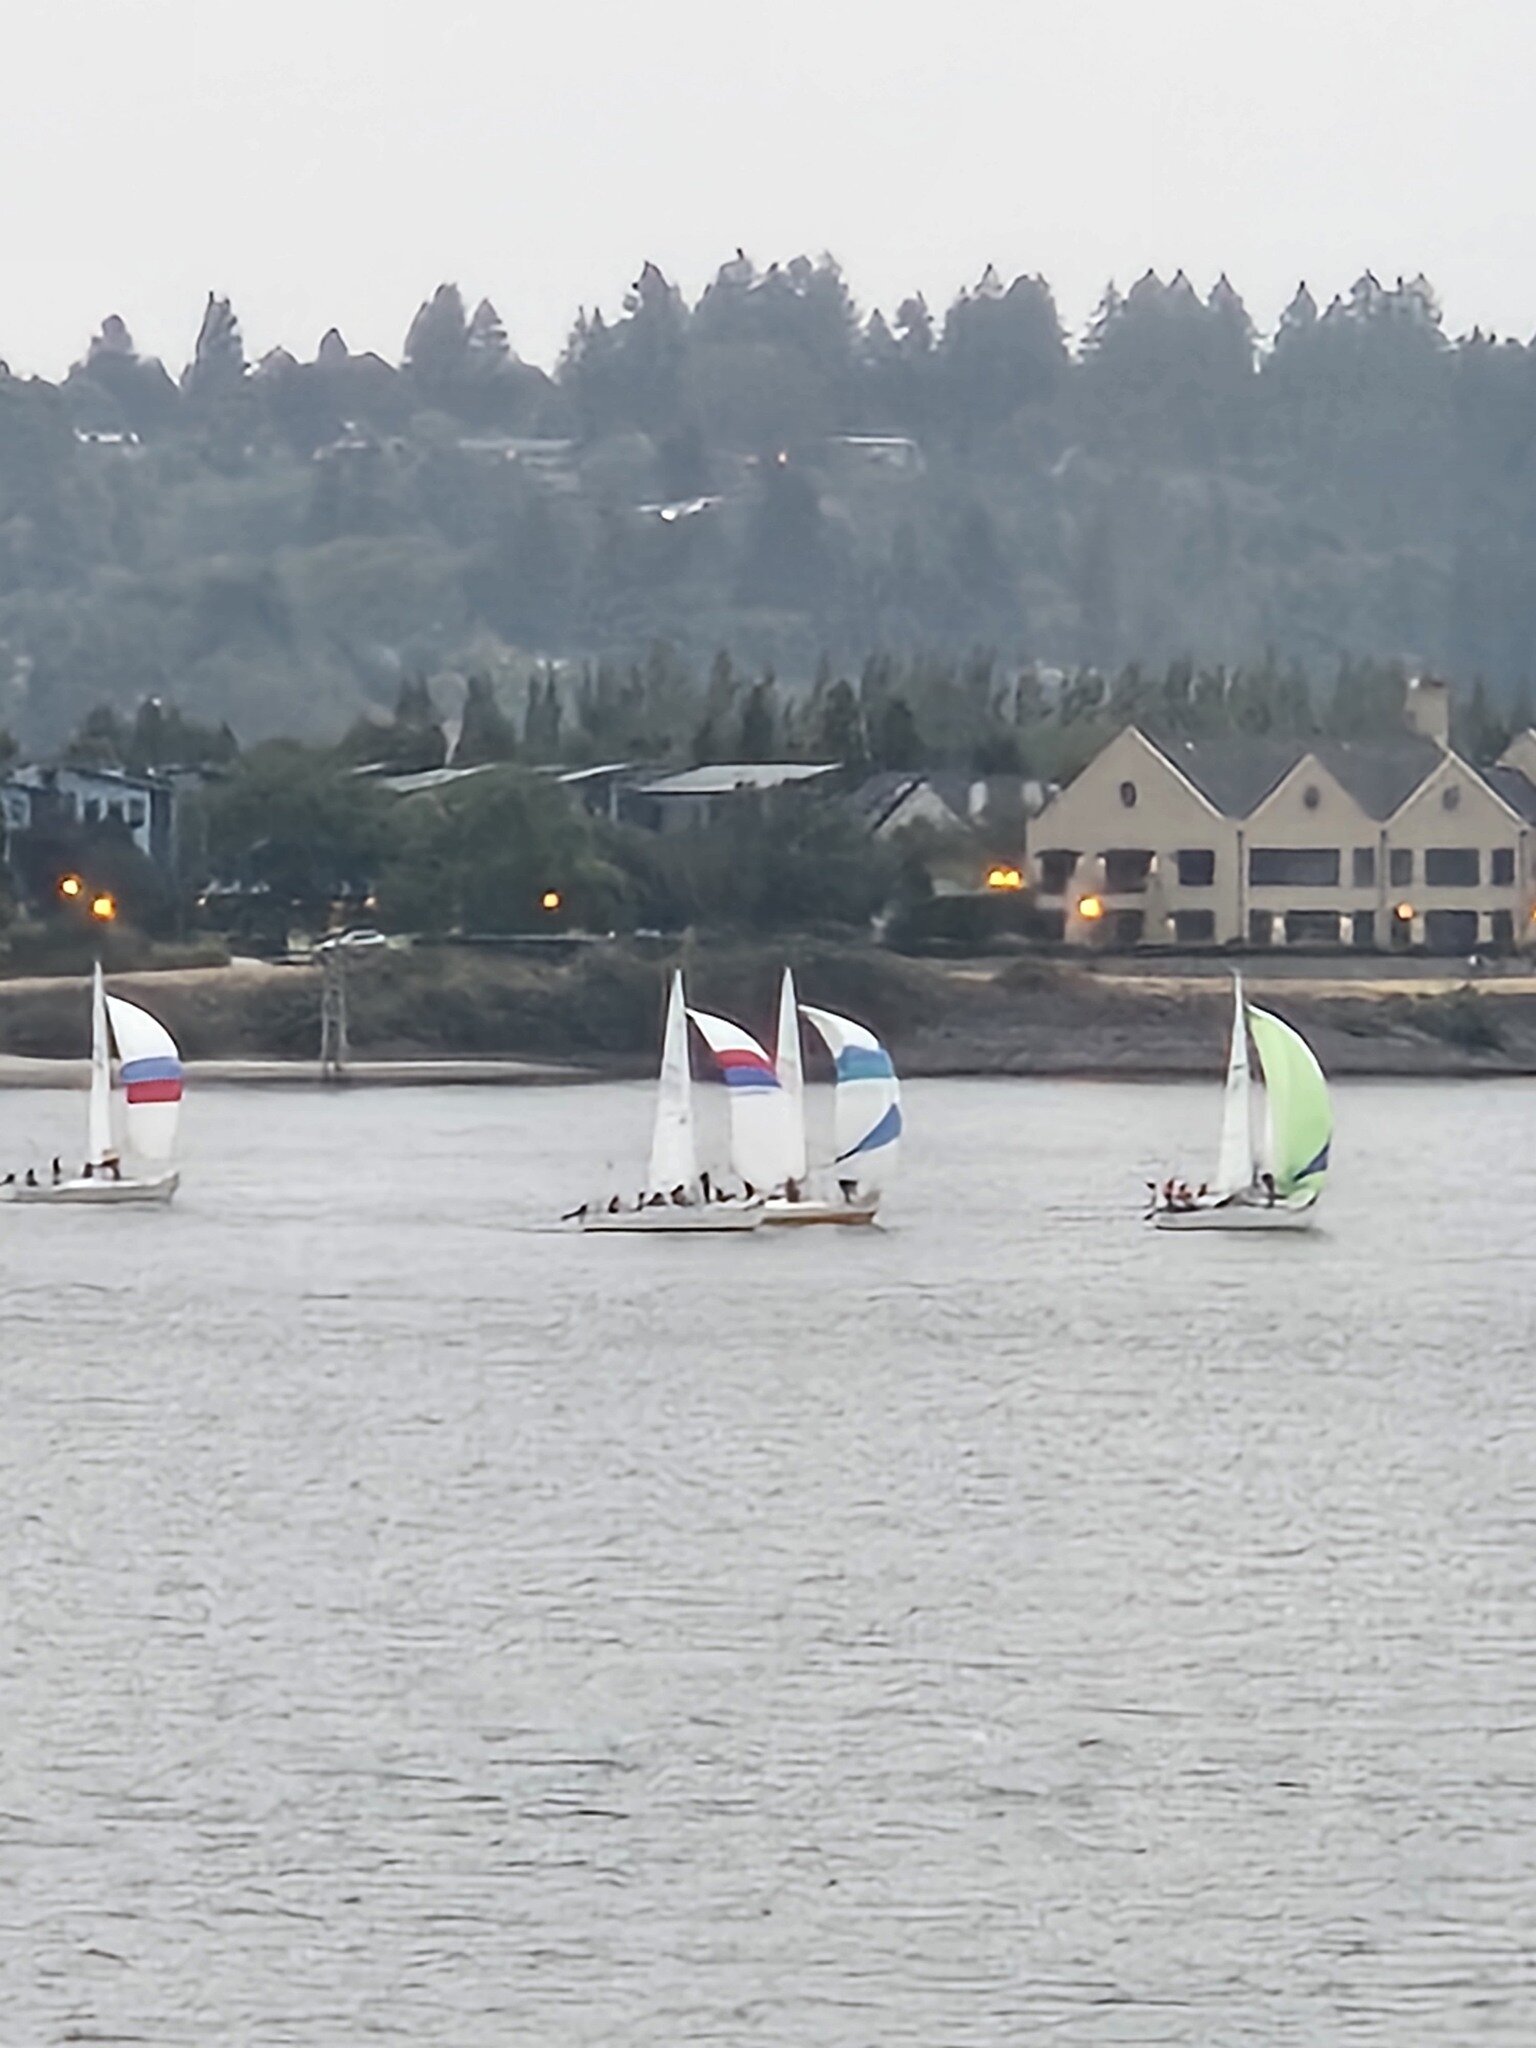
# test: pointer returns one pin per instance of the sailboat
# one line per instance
(674, 1157)
(866, 1124)
(145, 1108)
(1298, 1134)
(766, 1141)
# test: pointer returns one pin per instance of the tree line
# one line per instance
(773, 470)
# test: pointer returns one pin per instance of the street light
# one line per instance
(550, 900)
(104, 908)
(71, 886)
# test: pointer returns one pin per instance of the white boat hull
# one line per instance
(1235, 1216)
(844, 1213)
(104, 1193)
(705, 1219)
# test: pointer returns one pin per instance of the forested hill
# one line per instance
(772, 471)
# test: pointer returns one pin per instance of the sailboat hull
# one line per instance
(101, 1194)
(706, 1219)
(1235, 1216)
(842, 1213)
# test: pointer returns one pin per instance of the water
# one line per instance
(1008, 1626)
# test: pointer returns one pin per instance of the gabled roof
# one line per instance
(1233, 774)
(1515, 787)
(1380, 775)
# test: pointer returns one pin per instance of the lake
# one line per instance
(1010, 1625)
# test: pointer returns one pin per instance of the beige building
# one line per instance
(1263, 842)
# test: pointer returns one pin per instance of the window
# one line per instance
(1197, 867)
(1311, 796)
(1450, 798)
(1126, 869)
(1128, 927)
(1294, 867)
(1194, 927)
(1056, 865)
(1501, 869)
(1128, 795)
(1501, 930)
(1362, 929)
(1261, 928)
(1365, 867)
(1451, 867)
(1311, 927)
(1450, 931)
(1400, 866)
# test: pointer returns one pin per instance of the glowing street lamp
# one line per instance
(71, 886)
(1004, 878)
(1091, 908)
(104, 908)
(550, 900)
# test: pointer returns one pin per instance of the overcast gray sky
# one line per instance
(330, 161)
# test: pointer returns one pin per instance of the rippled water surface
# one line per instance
(1007, 1626)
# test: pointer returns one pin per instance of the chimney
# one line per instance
(1427, 709)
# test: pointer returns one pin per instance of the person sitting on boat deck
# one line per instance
(680, 1196)
(87, 1172)
(850, 1190)
(58, 1173)
(1267, 1183)
(704, 1182)
(574, 1215)
(791, 1191)
(747, 1191)
(614, 1204)
(656, 1201)
(31, 1178)
(1203, 1192)
(9, 1181)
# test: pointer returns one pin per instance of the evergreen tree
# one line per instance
(759, 723)
(486, 734)
(218, 364)
(898, 743)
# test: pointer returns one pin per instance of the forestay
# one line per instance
(1300, 1116)
(150, 1077)
(867, 1111)
(99, 1145)
(762, 1139)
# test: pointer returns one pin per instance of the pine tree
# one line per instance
(486, 734)
(759, 723)
(437, 342)
(898, 744)
(218, 364)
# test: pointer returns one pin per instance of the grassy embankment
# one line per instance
(602, 1011)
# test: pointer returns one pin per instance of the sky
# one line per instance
(327, 161)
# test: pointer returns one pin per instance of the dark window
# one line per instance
(1056, 867)
(1400, 866)
(1362, 929)
(1128, 927)
(1294, 867)
(1501, 871)
(1194, 927)
(1311, 796)
(1261, 928)
(1450, 931)
(1400, 929)
(1450, 798)
(1501, 930)
(1451, 867)
(1365, 867)
(1128, 795)
(1311, 928)
(1126, 869)
(1197, 867)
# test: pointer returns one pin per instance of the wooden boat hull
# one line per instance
(1235, 1216)
(709, 1220)
(843, 1214)
(100, 1194)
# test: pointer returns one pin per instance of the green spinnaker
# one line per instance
(1301, 1119)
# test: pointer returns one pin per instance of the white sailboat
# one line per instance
(1276, 1186)
(145, 1109)
(674, 1157)
(866, 1117)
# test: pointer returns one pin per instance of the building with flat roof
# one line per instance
(1260, 842)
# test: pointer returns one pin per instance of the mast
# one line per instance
(791, 1075)
(674, 1160)
(1234, 1157)
(99, 1118)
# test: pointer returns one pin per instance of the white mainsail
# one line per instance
(789, 1069)
(1234, 1158)
(762, 1139)
(150, 1076)
(99, 1144)
(867, 1104)
(674, 1159)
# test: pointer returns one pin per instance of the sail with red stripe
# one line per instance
(150, 1080)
